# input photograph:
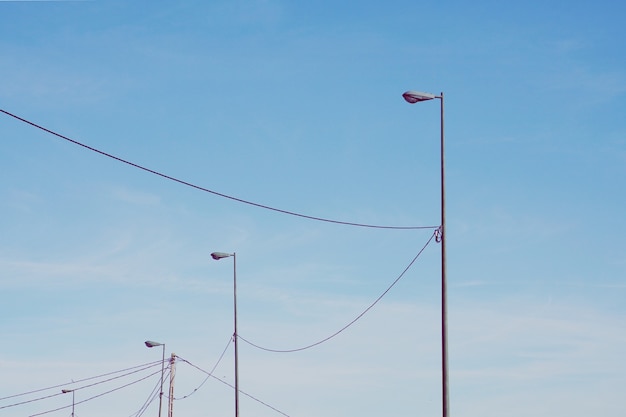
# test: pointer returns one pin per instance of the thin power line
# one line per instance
(154, 394)
(134, 369)
(232, 386)
(97, 395)
(353, 321)
(197, 187)
(230, 340)
(75, 389)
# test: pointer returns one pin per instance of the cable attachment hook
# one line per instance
(439, 234)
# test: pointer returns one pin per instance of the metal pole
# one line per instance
(218, 256)
(440, 236)
(162, 371)
(444, 298)
(235, 335)
(66, 391)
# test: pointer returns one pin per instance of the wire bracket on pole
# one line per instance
(439, 235)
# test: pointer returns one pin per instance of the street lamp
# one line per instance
(217, 256)
(65, 391)
(151, 344)
(415, 97)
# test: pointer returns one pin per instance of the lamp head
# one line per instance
(416, 96)
(65, 391)
(151, 344)
(219, 255)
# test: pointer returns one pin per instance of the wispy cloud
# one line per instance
(127, 195)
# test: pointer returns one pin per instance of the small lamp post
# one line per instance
(217, 256)
(66, 391)
(151, 344)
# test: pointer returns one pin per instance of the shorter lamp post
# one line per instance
(66, 391)
(152, 344)
(217, 256)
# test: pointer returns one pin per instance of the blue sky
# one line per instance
(298, 106)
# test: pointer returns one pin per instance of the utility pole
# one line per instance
(170, 407)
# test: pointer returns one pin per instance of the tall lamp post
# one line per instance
(217, 256)
(416, 97)
(151, 344)
(65, 391)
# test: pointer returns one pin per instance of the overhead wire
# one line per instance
(154, 394)
(230, 340)
(135, 370)
(197, 187)
(233, 387)
(149, 364)
(98, 395)
(355, 319)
